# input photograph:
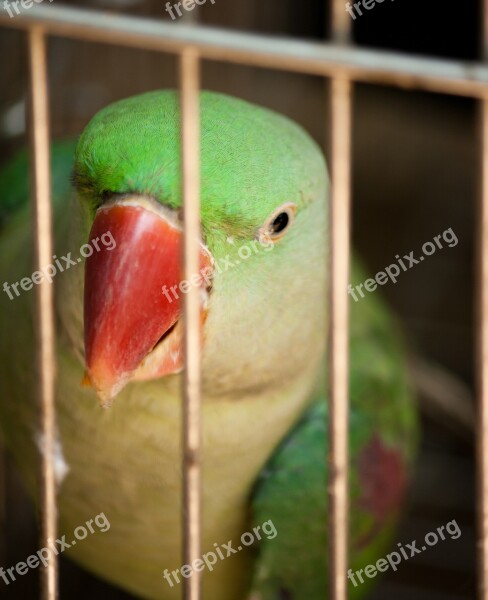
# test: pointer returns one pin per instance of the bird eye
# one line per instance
(278, 223)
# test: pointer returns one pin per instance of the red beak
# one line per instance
(132, 295)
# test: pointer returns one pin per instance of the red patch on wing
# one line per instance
(382, 478)
(383, 483)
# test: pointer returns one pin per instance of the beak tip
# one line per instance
(106, 391)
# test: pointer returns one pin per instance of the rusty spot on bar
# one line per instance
(190, 114)
(41, 198)
(341, 91)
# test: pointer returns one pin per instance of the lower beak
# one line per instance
(133, 296)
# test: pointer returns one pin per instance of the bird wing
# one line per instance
(292, 489)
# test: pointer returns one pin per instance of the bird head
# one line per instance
(262, 247)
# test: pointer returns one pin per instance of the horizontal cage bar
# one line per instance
(372, 66)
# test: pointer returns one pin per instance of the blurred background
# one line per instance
(415, 175)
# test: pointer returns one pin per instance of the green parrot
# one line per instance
(262, 284)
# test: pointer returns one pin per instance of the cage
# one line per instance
(248, 59)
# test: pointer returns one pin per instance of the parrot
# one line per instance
(262, 284)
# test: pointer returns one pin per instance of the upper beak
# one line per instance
(132, 294)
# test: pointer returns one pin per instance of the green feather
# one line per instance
(14, 182)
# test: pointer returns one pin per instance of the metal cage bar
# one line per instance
(482, 364)
(339, 337)
(482, 349)
(338, 426)
(41, 196)
(381, 67)
(190, 109)
(340, 23)
(345, 65)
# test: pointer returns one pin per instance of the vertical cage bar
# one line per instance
(482, 350)
(190, 112)
(41, 197)
(339, 337)
(340, 145)
(340, 22)
(484, 30)
(3, 504)
(482, 428)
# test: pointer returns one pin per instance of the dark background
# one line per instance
(415, 174)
